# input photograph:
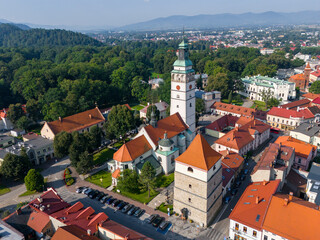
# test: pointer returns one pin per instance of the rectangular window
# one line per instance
(190, 186)
(245, 229)
(254, 233)
(237, 226)
(177, 106)
(189, 199)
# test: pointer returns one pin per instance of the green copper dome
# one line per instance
(165, 142)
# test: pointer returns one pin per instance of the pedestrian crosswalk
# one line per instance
(212, 234)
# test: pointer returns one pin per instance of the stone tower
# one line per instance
(198, 182)
(306, 73)
(183, 86)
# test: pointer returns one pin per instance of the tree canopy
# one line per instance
(15, 166)
(34, 181)
(147, 177)
(315, 87)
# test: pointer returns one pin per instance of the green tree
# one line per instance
(120, 121)
(85, 163)
(315, 87)
(220, 82)
(78, 146)
(33, 109)
(14, 166)
(298, 93)
(147, 177)
(95, 137)
(34, 181)
(151, 109)
(230, 97)
(129, 181)
(15, 112)
(61, 144)
(273, 102)
(23, 122)
(266, 96)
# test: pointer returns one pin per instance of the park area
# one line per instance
(103, 156)
(259, 105)
(101, 178)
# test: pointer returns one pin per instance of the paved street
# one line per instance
(247, 103)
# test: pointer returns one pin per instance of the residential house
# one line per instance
(161, 107)
(285, 73)
(72, 232)
(279, 89)
(305, 152)
(245, 138)
(198, 182)
(9, 233)
(79, 122)
(296, 183)
(287, 119)
(289, 217)
(310, 96)
(266, 51)
(315, 102)
(41, 224)
(6, 141)
(29, 136)
(16, 132)
(238, 111)
(302, 103)
(208, 98)
(313, 184)
(307, 132)
(39, 150)
(246, 218)
(5, 123)
(155, 83)
(275, 163)
(221, 126)
(315, 76)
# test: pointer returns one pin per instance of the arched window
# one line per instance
(190, 169)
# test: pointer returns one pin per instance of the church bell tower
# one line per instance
(183, 85)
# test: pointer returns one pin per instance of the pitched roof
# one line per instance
(311, 95)
(244, 120)
(72, 232)
(77, 121)
(314, 173)
(132, 149)
(316, 73)
(253, 204)
(172, 125)
(302, 149)
(223, 122)
(231, 159)
(293, 105)
(38, 220)
(295, 179)
(297, 219)
(161, 106)
(287, 113)
(314, 110)
(116, 173)
(316, 100)
(121, 231)
(227, 175)
(200, 154)
(298, 77)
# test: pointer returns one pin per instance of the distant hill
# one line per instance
(225, 20)
(19, 25)
(14, 36)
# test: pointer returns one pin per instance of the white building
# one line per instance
(280, 89)
(313, 184)
(161, 107)
(266, 51)
(209, 98)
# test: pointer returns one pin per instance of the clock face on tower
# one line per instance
(178, 87)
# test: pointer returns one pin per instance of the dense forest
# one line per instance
(13, 36)
(63, 80)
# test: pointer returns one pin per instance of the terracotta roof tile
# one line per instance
(287, 113)
(316, 100)
(302, 149)
(223, 122)
(297, 219)
(227, 174)
(72, 232)
(132, 149)
(253, 204)
(231, 159)
(316, 73)
(293, 105)
(38, 220)
(116, 173)
(310, 95)
(77, 121)
(235, 139)
(299, 77)
(200, 154)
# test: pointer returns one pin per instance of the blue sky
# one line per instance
(122, 12)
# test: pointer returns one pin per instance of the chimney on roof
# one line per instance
(264, 182)
(257, 200)
(285, 201)
(60, 119)
(290, 196)
(90, 116)
(89, 232)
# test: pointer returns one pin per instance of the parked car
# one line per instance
(227, 199)
(80, 189)
(139, 212)
(126, 208)
(104, 198)
(164, 225)
(93, 194)
(132, 210)
(116, 203)
(234, 191)
(110, 200)
(121, 205)
(151, 218)
(87, 191)
(99, 196)
(156, 222)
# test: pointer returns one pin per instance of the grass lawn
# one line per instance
(156, 75)
(259, 105)
(120, 143)
(27, 193)
(4, 190)
(164, 208)
(96, 179)
(164, 181)
(102, 156)
(140, 197)
(137, 107)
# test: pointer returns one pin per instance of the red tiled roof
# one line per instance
(121, 231)
(38, 221)
(293, 105)
(316, 100)
(172, 125)
(77, 121)
(72, 232)
(235, 139)
(316, 73)
(232, 159)
(287, 113)
(116, 173)
(227, 174)
(298, 77)
(132, 149)
(200, 154)
(253, 204)
(223, 122)
(295, 219)
(310, 95)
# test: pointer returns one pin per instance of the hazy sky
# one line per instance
(122, 12)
